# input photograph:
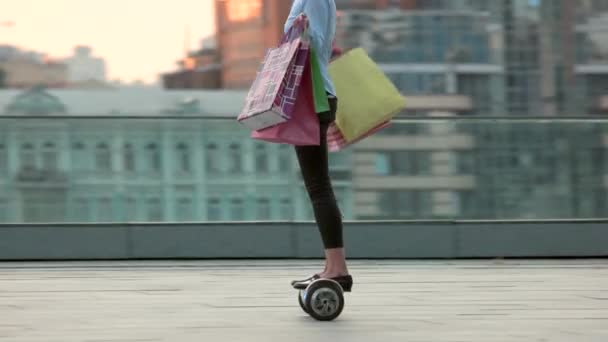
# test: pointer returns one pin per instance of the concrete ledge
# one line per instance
(364, 239)
(59, 242)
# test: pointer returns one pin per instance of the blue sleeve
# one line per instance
(296, 9)
(318, 13)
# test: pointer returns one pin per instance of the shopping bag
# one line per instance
(336, 141)
(319, 93)
(303, 126)
(271, 97)
(367, 98)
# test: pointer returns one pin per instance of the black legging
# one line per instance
(314, 165)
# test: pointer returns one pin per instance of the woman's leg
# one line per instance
(314, 166)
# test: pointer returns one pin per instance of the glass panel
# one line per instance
(467, 168)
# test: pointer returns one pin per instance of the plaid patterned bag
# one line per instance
(272, 96)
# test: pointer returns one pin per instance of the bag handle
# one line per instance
(296, 30)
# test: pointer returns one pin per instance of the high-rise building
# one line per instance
(199, 70)
(444, 63)
(83, 66)
(478, 57)
(245, 30)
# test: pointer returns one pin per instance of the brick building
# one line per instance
(245, 30)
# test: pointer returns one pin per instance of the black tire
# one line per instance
(300, 293)
(324, 300)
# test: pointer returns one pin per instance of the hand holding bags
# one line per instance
(272, 96)
(367, 99)
(303, 126)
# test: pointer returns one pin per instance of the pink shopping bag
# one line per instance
(272, 96)
(337, 142)
(303, 127)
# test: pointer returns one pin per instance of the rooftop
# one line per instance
(486, 301)
(130, 100)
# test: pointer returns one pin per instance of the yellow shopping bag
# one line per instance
(366, 97)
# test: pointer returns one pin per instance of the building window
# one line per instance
(235, 158)
(286, 211)
(382, 164)
(214, 209)
(183, 158)
(263, 209)
(154, 211)
(410, 163)
(185, 209)
(153, 157)
(465, 162)
(49, 157)
(103, 158)
(466, 204)
(129, 158)
(104, 210)
(405, 204)
(131, 212)
(241, 10)
(3, 159)
(212, 158)
(261, 158)
(237, 209)
(79, 157)
(28, 157)
(285, 153)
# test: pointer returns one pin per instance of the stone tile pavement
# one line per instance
(251, 300)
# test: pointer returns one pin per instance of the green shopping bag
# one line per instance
(319, 94)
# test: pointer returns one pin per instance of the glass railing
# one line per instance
(175, 169)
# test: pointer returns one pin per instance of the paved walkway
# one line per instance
(251, 300)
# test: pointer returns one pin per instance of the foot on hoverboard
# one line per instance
(346, 282)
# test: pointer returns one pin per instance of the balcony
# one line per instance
(425, 142)
(457, 103)
(455, 182)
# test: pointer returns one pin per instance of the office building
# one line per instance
(245, 30)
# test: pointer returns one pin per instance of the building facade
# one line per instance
(84, 67)
(199, 70)
(23, 73)
(245, 30)
(108, 169)
(485, 58)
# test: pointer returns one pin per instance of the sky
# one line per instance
(138, 38)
